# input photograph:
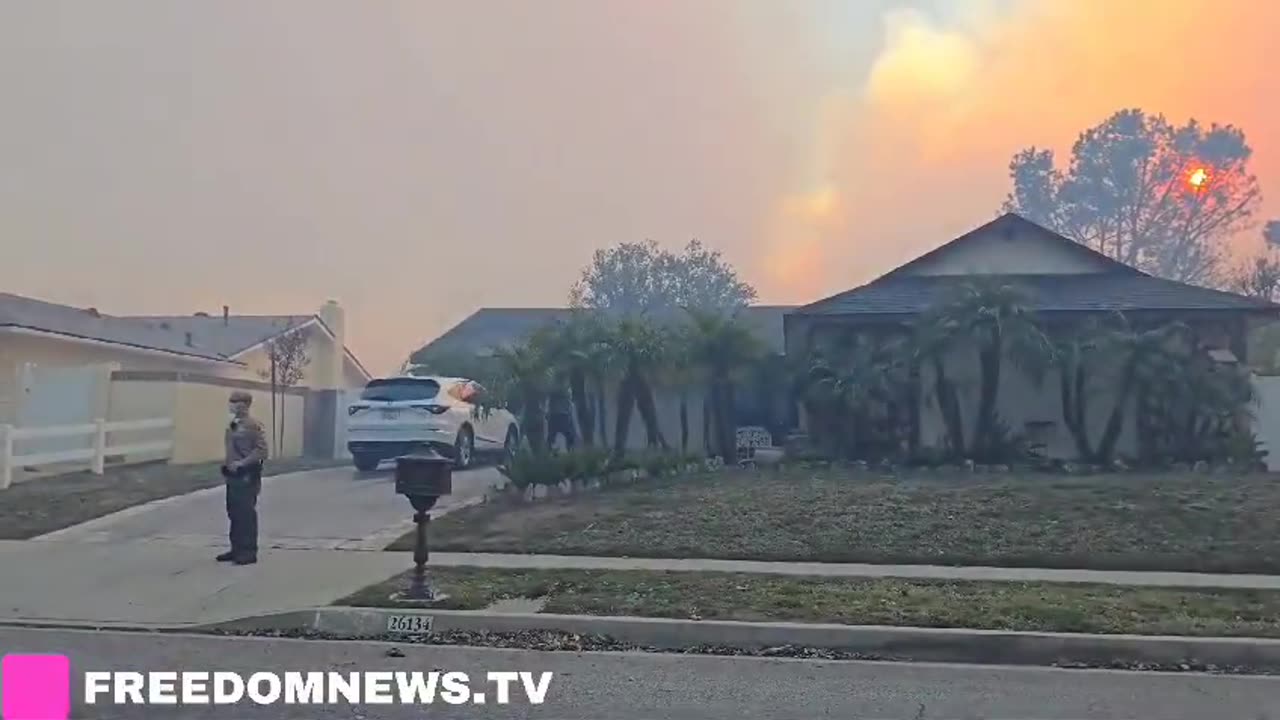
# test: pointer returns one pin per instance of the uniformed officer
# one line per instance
(246, 444)
(560, 418)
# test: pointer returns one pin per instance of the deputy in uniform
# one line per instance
(246, 444)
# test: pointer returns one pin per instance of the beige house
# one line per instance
(1065, 282)
(63, 365)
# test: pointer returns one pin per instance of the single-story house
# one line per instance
(487, 329)
(66, 365)
(1064, 281)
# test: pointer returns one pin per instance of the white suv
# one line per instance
(398, 415)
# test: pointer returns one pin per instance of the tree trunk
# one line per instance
(622, 422)
(275, 424)
(649, 413)
(706, 420)
(1072, 385)
(913, 411)
(1115, 423)
(534, 423)
(684, 421)
(989, 360)
(726, 436)
(601, 414)
(1142, 418)
(279, 449)
(582, 405)
(948, 406)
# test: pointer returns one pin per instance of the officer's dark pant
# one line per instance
(242, 510)
(560, 424)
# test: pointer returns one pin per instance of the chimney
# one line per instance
(226, 315)
(189, 343)
(329, 369)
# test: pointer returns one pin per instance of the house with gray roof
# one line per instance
(487, 329)
(1064, 282)
(219, 346)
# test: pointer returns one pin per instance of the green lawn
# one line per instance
(39, 506)
(1210, 523)
(1048, 607)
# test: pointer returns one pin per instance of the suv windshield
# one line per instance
(400, 389)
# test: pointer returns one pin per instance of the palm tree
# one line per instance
(862, 384)
(995, 317)
(682, 374)
(722, 347)
(933, 336)
(1189, 401)
(523, 379)
(639, 349)
(1142, 356)
(1074, 358)
(574, 349)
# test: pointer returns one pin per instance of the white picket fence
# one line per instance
(95, 454)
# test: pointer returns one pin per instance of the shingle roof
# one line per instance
(17, 311)
(1085, 292)
(489, 328)
(1014, 223)
(239, 333)
(209, 336)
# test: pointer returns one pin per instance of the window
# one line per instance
(400, 389)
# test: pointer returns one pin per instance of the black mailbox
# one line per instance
(423, 479)
(424, 476)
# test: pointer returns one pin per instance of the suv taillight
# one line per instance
(433, 409)
(353, 410)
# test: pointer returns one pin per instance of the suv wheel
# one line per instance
(464, 449)
(365, 463)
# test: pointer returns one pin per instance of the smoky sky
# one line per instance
(418, 159)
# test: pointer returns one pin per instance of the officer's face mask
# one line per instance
(231, 413)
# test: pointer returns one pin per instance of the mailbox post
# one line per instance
(423, 479)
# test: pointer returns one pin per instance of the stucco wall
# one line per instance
(1020, 401)
(140, 401)
(201, 417)
(198, 406)
(667, 404)
(17, 349)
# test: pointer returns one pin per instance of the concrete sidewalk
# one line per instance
(850, 570)
(153, 564)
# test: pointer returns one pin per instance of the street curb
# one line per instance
(901, 643)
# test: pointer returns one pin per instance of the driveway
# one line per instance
(333, 508)
(321, 533)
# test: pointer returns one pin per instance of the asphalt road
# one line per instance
(626, 686)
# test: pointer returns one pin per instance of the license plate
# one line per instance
(409, 624)
(390, 414)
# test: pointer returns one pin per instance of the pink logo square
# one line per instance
(35, 687)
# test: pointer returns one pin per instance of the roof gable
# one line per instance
(230, 336)
(909, 295)
(201, 336)
(73, 323)
(1011, 245)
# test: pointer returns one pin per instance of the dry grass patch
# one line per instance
(1032, 606)
(1191, 522)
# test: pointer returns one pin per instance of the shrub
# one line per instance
(526, 469)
